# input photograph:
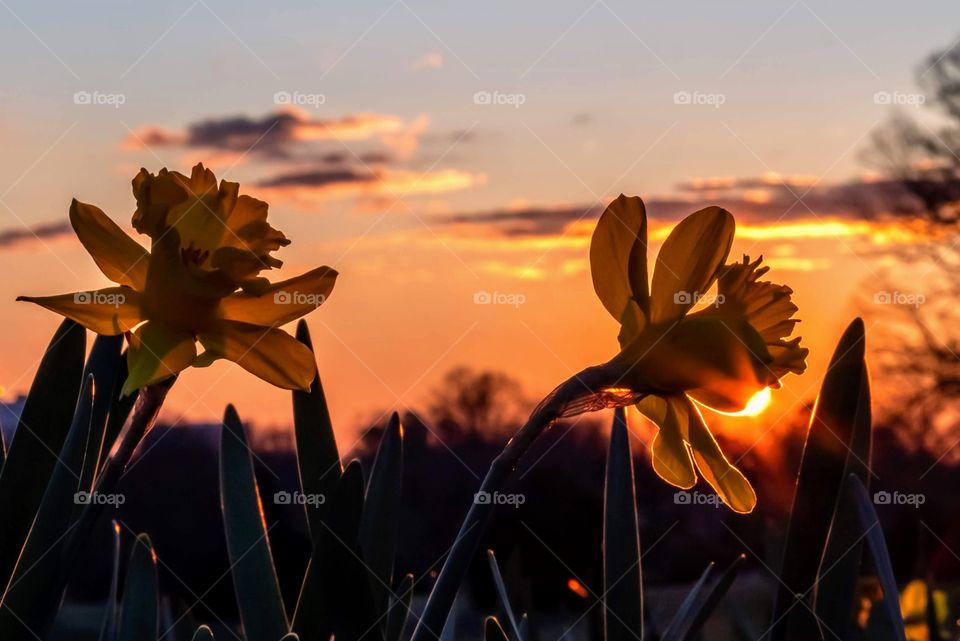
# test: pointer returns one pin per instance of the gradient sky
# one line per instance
(391, 171)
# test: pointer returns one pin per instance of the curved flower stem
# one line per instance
(149, 402)
(555, 406)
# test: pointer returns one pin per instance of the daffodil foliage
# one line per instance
(673, 360)
(199, 282)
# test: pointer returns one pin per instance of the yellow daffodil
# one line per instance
(199, 282)
(672, 361)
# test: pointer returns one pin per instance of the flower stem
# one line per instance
(149, 402)
(553, 407)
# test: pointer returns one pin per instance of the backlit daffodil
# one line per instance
(199, 282)
(672, 360)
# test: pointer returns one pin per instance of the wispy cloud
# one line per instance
(13, 236)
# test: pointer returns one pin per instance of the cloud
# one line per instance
(14, 236)
(308, 186)
(282, 134)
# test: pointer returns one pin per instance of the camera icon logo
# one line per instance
(282, 298)
(881, 498)
(482, 498)
(881, 298)
(282, 498)
(682, 298)
(682, 498)
(282, 98)
(82, 98)
(682, 98)
(482, 298)
(482, 98)
(82, 298)
(882, 98)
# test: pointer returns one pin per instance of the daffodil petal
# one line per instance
(688, 262)
(109, 311)
(726, 480)
(618, 258)
(156, 352)
(281, 302)
(266, 352)
(122, 259)
(669, 452)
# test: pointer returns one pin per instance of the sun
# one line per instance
(755, 406)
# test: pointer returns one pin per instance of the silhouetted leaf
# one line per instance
(623, 591)
(203, 633)
(870, 523)
(502, 593)
(139, 611)
(41, 431)
(492, 630)
(840, 568)
(317, 455)
(108, 628)
(31, 598)
(399, 608)
(674, 630)
(381, 512)
(103, 364)
(248, 543)
(692, 626)
(818, 487)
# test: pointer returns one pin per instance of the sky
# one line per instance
(434, 151)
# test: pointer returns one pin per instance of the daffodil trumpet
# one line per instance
(672, 361)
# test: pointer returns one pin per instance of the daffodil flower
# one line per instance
(200, 281)
(673, 361)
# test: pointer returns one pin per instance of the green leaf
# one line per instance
(44, 423)
(502, 593)
(870, 523)
(381, 512)
(818, 488)
(108, 628)
(317, 455)
(139, 611)
(622, 582)
(33, 594)
(203, 633)
(399, 608)
(492, 631)
(840, 568)
(248, 543)
(674, 629)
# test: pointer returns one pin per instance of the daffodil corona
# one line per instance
(199, 282)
